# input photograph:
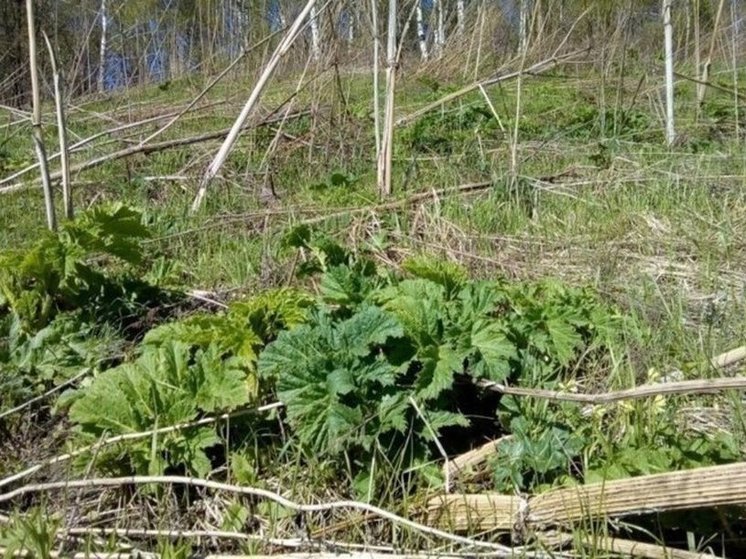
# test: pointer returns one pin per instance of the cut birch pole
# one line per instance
(668, 36)
(705, 76)
(230, 140)
(385, 155)
(36, 129)
(59, 104)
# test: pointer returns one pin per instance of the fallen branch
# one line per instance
(78, 146)
(502, 550)
(619, 546)
(148, 149)
(708, 386)
(703, 386)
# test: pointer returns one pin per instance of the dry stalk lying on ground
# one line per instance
(698, 488)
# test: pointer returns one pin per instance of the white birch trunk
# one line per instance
(421, 38)
(668, 35)
(315, 43)
(350, 26)
(102, 48)
(460, 17)
(523, 26)
(440, 33)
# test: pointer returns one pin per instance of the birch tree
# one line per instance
(421, 37)
(460, 17)
(315, 44)
(102, 48)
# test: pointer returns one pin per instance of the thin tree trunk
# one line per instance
(59, 102)
(440, 33)
(385, 156)
(376, 58)
(705, 76)
(315, 40)
(421, 38)
(460, 17)
(697, 52)
(668, 33)
(36, 129)
(523, 26)
(102, 48)
(734, 62)
(269, 69)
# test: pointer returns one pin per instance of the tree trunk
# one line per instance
(421, 38)
(315, 42)
(668, 35)
(102, 48)
(460, 17)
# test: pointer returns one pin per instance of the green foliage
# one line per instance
(441, 132)
(241, 331)
(31, 362)
(186, 368)
(32, 534)
(167, 385)
(339, 388)
(347, 377)
(67, 271)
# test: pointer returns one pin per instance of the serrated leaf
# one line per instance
(440, 364)
(495, 351)
(565, 339)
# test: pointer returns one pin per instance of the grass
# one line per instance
(598, 201)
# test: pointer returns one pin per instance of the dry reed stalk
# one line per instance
(59, 105)
(36, 127)
(698, 488)
(287, 41)
(618, 546)
(385, 154)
